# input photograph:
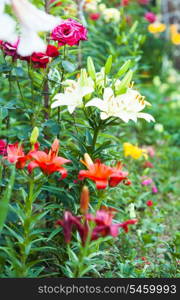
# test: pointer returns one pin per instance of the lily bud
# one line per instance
(91, 68)
(88, 159)
(132, 212)
(83, 77)
(124, 83)
(108, 65)
(55, 146)
(84, 201)
(123, 69)
(34, 136)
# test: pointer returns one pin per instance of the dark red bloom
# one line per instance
(124, 2)
(103, 225)
(94, 16)
(125, 224)
(48, 162)
(10, 49)
(69, 222)
(149, 203)
(40, 60)
(148, 164)
(3, 147)
(52, 51)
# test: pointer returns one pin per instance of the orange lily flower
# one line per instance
(97, 172)
(101, 174)
(48, 162)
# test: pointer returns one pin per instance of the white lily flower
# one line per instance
(108, 105)
(126, 106)
(74, 93)
(32, 21)
(7, 25)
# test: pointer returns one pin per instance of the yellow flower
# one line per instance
(156, 28)
(175, 35)
(134, 151)
(173, 28)
(176, 39)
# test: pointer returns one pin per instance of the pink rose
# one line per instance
(69, 32)
(150, 17)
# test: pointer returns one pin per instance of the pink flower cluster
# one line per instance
(149, 181)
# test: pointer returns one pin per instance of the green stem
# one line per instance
(83, 254)
(95, 136)
(27, 228)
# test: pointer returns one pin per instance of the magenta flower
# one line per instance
(69, 32)
(146, 182)
(3, 148)
(154, 189)
(150, 17)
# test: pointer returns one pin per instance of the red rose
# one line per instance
(40, 60)
(69, 32)
(52, 51)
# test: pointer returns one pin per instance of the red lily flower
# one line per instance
(118, 176)
(125, 224)
(48, 162)
(101, 174)
(105, 227)
(69, 221)
(15, 154)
